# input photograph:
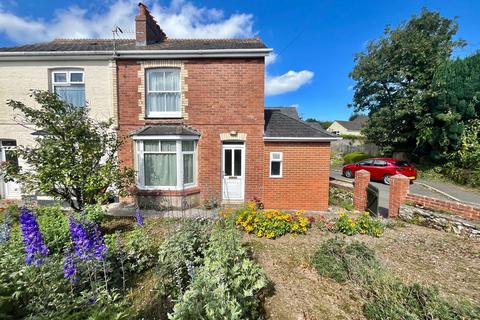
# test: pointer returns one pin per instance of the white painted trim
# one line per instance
(276, 160)
(240, 146)
(169, 137)
(133, 54)
(302, 139)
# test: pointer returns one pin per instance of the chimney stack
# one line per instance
(147, 31)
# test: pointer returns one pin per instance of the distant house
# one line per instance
(353, 127)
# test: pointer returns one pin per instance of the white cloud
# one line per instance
(271, 58)
(288, 82)
(181, 19)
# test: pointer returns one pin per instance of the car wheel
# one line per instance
(386, 178)
(348, 174)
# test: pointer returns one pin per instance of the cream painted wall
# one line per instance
(17, 78)
(336, 127)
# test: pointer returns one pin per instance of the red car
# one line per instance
(381, 169)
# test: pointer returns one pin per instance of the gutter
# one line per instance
(133, 54)
(302, 139)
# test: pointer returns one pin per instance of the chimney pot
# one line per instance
(147, 31)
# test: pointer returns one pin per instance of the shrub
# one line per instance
(343, 261)
(94, 213)
(355, 157)
(391, 299)
(351, 223)
(178, 259)
(269, 223)
(228, 284)
(140, 251)
(53, 222)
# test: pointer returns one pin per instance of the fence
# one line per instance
(348, 146)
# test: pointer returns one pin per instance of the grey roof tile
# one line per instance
(165, 130)
(355, 125)
(281, 123)
(129, 44)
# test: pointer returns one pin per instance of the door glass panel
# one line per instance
(238, 162)
(228, 162)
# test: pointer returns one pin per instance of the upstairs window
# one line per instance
(276, 167)
(70, 86)
(163, 93)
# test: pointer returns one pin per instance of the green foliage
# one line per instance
(395, 79)
(351, 223)
(140, 251)
(355, 157)
(323, 124)
(341, 197)
(178, 258)
(352, 137)
(94, 213)
(344, 261)
(227, 285)
(53, 222)
(76, 161)
(391, 299)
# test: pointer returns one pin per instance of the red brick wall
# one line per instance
(305, 181)
(223, 95)
(458, 208)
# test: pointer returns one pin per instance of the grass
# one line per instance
(412, 253)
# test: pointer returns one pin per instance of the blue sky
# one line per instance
(314, 41)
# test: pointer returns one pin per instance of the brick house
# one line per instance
(195, 127)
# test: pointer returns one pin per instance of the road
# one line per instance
(445, 191)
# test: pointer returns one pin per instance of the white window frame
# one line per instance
(140, 162)
(163, 114)
(280, 160)
(68, 81)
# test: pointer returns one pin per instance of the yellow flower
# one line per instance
(259, 234)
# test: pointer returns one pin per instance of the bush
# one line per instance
(228, 284)
(178, 259)
(351, 223)
(343, 261)
(391, 299)
(53, 222)
(355, 157)
(269, 223)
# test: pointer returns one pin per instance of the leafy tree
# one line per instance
(75, 160)
(457, 84)
(394, 79)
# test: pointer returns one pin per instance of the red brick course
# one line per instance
(399, 185)
(362, 179)
(223, 95)
(458, 208)
(305, 181)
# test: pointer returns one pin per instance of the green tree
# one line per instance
(75, 160)
(394, 79)
(323, 124)
(457, 84)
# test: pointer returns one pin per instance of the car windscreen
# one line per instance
(402, 164)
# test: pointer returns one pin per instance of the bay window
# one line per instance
(163, 93)
(70, 86)
(166, 163)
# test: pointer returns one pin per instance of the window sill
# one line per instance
(276, 177)
(165, 115)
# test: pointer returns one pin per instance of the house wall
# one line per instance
(218, 96)
(18, 78)
(305, 180)
(338, 128)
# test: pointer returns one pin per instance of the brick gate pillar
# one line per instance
(362, 179)
(399, 185)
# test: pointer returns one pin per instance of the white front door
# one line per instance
(11, 189)
(233, 171)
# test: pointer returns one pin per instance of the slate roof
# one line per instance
(165, 130)
(285, 122)
(355, 125)
(129, 44)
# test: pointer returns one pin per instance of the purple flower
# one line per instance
(35, 249)
(139, 217)
(82, 244)
(99, 247)
(70, 268)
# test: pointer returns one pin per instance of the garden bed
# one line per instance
(413, 253)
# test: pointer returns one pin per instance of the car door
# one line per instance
(378, 169)
(364, 165)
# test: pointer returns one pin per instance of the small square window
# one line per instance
(59, 77)
(276, 164)
(76, 77)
